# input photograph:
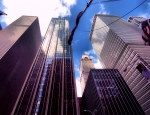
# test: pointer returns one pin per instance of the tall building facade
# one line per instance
(118, 44)
(19, 43)
(50, 88)
(137, 21)
(0, 27)
(106, 93)
(86, 64)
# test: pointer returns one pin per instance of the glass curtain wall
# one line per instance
(53, 86)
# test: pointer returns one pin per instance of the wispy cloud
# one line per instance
(102, 9)
(90, 52)
(91, 20)
(77, 69)
(147, 13)
(76, 41)
(94, 58)
(97, 64)
(44, 9)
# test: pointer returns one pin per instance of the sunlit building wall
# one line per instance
(19, 43)
(86, 64)
(119, 45)
(106, 93)
(50, 88)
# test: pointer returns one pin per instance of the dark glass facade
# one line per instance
(120, 46)
(50, 88)
(0, 27)
(19, 43)
(108, 94)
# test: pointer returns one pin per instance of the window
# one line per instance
(144, 71)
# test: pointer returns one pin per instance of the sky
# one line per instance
(46, 9)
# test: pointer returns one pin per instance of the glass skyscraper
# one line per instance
(19, 43)
(50, 88)
(106, 93)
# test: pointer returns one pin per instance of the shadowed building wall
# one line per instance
(106, 93)
(19, 43)
(0, 27)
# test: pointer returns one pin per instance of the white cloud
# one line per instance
(77, 69)
(76, 41)
(90, 52)
(91, 20)
(78, 86)
(102, 9)
(44, 9)
(95, 60)
(69, 2)
(147, 13)
(92, 57)
(98, 64)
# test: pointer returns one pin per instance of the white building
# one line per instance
(85, 65)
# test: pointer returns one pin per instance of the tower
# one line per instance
(0, 27)
(50, 88)
(19, 43)
(106, 93)
(85, 65)
(118, 44)
(136, 20)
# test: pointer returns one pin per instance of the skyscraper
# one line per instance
(50, 88)
(119, 44)
(136, 20)
(0, 27)
(19, 43)
(106, 93)
(85, 65)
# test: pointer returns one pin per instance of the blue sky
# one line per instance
(46, 9)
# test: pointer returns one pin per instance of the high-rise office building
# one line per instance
(50, 88)
(106, 93)
(86, 64)
(136, 20)
(118, 44)
(19, 43)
